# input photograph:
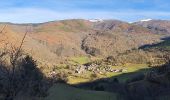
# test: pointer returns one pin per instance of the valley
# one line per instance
(80, 59)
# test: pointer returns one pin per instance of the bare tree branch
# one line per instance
(19, 49)
(3, 29)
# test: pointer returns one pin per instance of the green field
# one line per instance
(132, 69)
(79, 60)
(66, 92)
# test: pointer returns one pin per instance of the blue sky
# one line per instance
(35, 11)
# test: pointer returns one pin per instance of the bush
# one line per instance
(99, 88)
(136, 78)
(23, 77)
(92, 76)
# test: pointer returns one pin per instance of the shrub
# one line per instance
(92, 76)
(25, 78)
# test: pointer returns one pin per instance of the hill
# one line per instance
(156, 26)
(78, 37)
(104, 54)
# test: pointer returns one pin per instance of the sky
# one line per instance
(38, 11)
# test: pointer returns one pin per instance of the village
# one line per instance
(100, 69)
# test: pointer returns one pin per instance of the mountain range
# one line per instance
(57, 40)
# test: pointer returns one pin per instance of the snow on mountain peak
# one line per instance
(145, 20)
(96, 20)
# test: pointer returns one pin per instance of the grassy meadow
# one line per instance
(65, 92)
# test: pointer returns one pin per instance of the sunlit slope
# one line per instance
(54, 41)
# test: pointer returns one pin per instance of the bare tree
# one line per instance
(8, 73)
(19, 72)
(14, 55)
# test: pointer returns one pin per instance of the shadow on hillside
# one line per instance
(165, 42)
(28, 80)
(116, 84)
(122, 78)
(21, 80)
(131, 86)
